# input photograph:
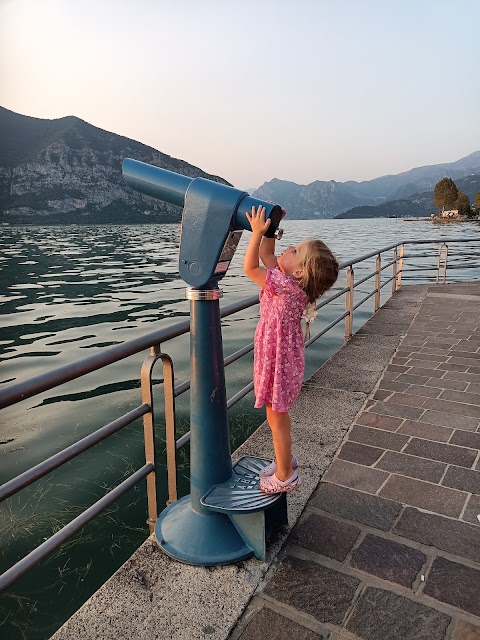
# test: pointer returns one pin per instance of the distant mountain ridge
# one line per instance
(68, 171)
(418, 205)
(326, 199)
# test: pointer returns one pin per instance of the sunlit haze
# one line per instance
(256, 89)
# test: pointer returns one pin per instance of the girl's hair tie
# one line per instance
(309, 314)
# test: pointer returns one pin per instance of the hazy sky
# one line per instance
(300, 90)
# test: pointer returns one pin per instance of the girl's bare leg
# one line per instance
(280, 426)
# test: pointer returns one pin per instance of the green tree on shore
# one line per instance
(445, 194)
(477, 201)
(462, 203)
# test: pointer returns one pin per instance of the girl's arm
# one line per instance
(267, 249)
(251, 262)
(267, 252)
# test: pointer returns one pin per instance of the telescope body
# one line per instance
(212, 221)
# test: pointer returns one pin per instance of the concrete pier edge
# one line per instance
(153, 596)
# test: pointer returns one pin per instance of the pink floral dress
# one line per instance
(279, 355)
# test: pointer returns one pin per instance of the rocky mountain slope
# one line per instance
(328, 199)
(67, 171)
(418, 205)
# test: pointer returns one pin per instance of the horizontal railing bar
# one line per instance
(239, 395)
(181, 442)
(181, 388)
(432, 279)
(349, 263)
(238, 354)
(461, 266)
(38, 471)
(420, 269)
(332, 297)
(420, 277)
(433, 254)
(359, 282)
(235, 307)
(387, 281)
(470, 253)
(388, 264)
(359, 304)
(47, 547)
(325, 329)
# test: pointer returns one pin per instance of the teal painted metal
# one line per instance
(212, 213)
(202, 539)
(164, 185)
(186, 530)
(212, 222)
(252, 512)
(210, 457)
(241, 493)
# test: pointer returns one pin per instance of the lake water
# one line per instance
(69, 292)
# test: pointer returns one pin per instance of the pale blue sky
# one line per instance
(300, 90)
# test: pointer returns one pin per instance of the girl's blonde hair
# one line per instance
(320, 268)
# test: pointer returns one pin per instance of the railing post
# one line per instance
(394, 270)
(378, 278)
(170, 428)
(439, 258)
(445, 264)
(349, 304)
(149, 433)
(400, 266)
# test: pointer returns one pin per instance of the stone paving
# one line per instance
(388, 546)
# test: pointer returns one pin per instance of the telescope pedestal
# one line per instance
(203, 539)
(186, 530)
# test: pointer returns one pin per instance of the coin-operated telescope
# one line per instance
(212, 222)
(225, 517)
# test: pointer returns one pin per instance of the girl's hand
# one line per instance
(257, 220)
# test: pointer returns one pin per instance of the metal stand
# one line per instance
(186, 530)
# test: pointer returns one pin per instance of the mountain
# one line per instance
(418, 205)
(328, 199)
(67, 171)
(315, 200)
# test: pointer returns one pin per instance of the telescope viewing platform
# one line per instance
(384, 534)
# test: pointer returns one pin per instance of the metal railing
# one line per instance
(15, 393)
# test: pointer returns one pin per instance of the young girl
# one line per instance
(289, 283)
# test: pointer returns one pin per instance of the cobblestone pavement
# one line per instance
(388, 546)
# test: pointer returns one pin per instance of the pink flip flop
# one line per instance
(271, 484)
